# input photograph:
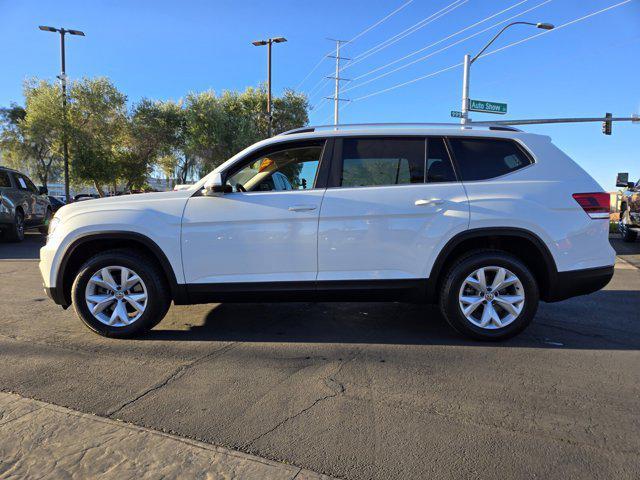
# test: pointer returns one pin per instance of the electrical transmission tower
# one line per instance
(336, 95)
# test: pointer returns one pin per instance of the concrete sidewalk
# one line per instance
(41, 440)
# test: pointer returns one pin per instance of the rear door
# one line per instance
(391, 204)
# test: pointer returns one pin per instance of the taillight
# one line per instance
(596, 205)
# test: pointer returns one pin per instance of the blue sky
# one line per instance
(164, 49)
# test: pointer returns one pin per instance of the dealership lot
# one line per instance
(352, 390)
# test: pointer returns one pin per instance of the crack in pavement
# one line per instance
(330, 382)
(181, 370)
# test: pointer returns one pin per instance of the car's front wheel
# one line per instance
(15, 233)
(120, 293)
(489, 295)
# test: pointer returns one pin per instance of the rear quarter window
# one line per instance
(482, 159)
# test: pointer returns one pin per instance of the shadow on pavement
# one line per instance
(573, 324)
(29, 249)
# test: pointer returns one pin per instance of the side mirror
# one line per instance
(622, 180)
(43, 190)
(214, 186)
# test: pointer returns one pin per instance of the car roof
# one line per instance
(399, 128)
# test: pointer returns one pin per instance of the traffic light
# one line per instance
(607, 124)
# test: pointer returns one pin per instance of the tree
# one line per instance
(97, 132)
(154, 130)
(219, 127)
(31, 136)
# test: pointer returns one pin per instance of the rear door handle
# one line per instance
(302, 208)
(433, 201)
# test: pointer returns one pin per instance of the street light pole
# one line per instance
(468, 61)
(63, 83)
(268, 42)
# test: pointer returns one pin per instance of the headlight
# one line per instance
(55, 221)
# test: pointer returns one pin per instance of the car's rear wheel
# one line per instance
(120, 293)
(15, 232)
(627, 234)
(489, 295)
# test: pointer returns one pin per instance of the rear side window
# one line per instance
(439, 167)
(480, 159)
(5, 181)
(382, 161)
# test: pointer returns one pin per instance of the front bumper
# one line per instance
(578, 282)
(56, 295)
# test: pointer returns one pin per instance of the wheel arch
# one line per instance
(525, 245)
(86, 246)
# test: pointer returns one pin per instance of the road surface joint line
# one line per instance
(233, 461)
(176, 374)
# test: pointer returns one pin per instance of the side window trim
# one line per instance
(278, 147)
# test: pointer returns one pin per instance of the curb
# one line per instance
(45, 440)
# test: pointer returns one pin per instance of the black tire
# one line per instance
(158, 296)
(465, 266)
(628, 236)
(15, 233)
(44, 228)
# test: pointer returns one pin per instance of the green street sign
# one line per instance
(456, 114)
(487, 107)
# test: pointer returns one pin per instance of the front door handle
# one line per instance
(302, 208)
(432, 201)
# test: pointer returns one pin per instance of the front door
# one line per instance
(265, 229)
(392, 205)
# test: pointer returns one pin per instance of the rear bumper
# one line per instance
(578, 282)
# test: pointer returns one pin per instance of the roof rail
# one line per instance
(347, 126)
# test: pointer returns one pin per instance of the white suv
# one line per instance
(485, 221)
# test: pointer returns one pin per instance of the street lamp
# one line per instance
(63, 82)
(268, 42)
(468, 61)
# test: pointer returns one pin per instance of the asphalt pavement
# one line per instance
(356, 391)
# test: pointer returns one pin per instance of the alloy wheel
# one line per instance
(491, 297)
(116, 296)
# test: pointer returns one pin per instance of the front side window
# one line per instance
(480, 159)
(370, 162)
(288, 169)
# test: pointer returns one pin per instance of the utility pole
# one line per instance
(268, 42)
(336, 92)
(63, 83)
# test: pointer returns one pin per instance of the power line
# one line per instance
(546, 32)
(457, 33)
(413, 62)
(379, 22)
(408, 31)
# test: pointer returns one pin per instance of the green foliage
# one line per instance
(97, 130)
(110, 145)
(31, 136)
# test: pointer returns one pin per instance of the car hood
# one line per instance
(138, 201)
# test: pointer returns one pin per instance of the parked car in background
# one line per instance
(629, 225)
(56, 203)
(484, 221)
(22, 205)
(85, 196)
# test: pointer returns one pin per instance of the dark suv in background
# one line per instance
(22, 205)
(629, 225)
